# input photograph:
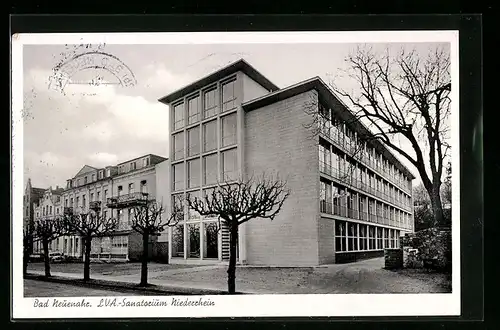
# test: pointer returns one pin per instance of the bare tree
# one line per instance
(422, 215)
(237, 203)
(148, 221)
(404, 96)
(45, 231)
(89, 225)
(27, 239)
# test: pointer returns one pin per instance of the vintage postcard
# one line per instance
(235, 174)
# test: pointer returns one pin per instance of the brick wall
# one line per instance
(275, 140)
(326, 241)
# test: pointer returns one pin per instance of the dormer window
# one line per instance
(132, 166)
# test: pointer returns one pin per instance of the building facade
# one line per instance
(48, 207)
(113, 191)
(349, 199)
(31, 197)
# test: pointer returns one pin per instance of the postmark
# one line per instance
(106, 69)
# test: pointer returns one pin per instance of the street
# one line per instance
(34, 288)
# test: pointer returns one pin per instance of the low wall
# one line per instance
(393, 258)
(346, 257)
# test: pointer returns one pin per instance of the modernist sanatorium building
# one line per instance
(236, 123)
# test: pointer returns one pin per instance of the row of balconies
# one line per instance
(117, 202)
(356, 183)
(330, 208)
(353, 150)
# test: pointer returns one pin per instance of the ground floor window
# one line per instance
(350, 236)
(198, 239)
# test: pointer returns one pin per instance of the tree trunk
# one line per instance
(144, 266)
(26, 256)
(46, 260)
(231, 271)
(437, 206)
(86, 262)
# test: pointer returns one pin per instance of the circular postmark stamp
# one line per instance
(96, 61)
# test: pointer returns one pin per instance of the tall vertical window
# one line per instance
(210, 103)
(120, 189)
(193, 141)
(371, 238)
(178, 116)
(178, 175)
(210, 169)
(178, 140)
(340, 236)
(386, 238)
(363, 237)
(178, 241)
(98, 195)
(210, 136)
(84, 201)
(210, 240)
(228, 96)
(144, 186)
(93, 177)
(91, 197)
(379, 238)
(192, 214)
(130, 188)
(229, 130)
(193, 173)
(193, 110)
(352, 236)
(229, 165)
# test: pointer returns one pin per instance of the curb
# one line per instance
(115, 285)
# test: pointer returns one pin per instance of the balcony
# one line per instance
(128, 200)
(95, 205)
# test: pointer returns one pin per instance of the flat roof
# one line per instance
(240, 65)
(136, 158)
(326, 94)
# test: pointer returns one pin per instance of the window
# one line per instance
(363, 242)
(340, 236)
(130, 188)
(178, 175)
(193, 240)
(210, 240)
(84, 201)
(178, 241)
(51, 210)
(145, 162)
(108, 172)
(193, 110)
(133, 166)
(178, 140)
(352, 236)
(105, 214)
(392, 239)
(98, 195)
(130, 215)
(85, 180)
(193, 173)
(91, 197)
(72, 204)
(120, 189)
(105, 193)
(93, 177)
(229, 165)
(386, 238)
(78, 182)
(193, 141)
(379, 238)
(371, 238)
(192, 215)
(144, 186)
(228, 96)
(210, 169)
(210, 136)
(178, 116)
(210, 103)
(78, 201)
(229, 130)
(66, 202)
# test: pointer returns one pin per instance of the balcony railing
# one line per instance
(346, 177)
(95, 205)
(343, 211)
(351, 149)
(128, 200)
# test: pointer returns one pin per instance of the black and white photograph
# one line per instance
(235, 174)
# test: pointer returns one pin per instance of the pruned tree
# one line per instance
(89, 225)
(45, 230)
(403, 97)
(237, 203)
(148, 220)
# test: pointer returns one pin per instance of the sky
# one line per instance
(108, 124)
